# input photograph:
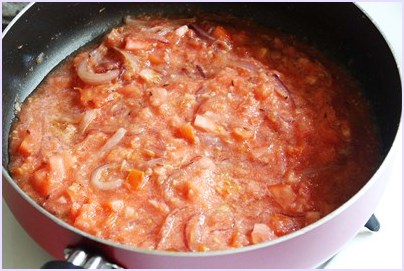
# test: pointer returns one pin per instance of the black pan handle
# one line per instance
(60, 265)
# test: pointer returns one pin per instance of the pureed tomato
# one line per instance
(194, 135)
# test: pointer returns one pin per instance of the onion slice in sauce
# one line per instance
(90, 77)
(131, 62)
(281, 89)
(114, 140)
(96, 179)
(200, 32)
(88, 117)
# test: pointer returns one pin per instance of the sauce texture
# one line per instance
(194, 134)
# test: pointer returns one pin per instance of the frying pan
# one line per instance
(341, 30)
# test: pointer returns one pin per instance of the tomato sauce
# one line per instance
(194, 134)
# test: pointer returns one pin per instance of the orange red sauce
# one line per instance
(193, 135)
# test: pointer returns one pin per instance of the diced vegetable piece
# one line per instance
(194, 233)
(187, 131)
(149, 75)
(238, 239)
(282, 224)
(180, 31)
(262, 52)
(57, 168)
(27, 146)
(50, 178)
(221, 33)
(88, 217)
(77, 196)
(160, 206)
(261, 233)
(205, 124)
(114, 205)
(135, 179)
(131, 91)
(283, 194)
(312, 217)
(262, 92)
(132, 43)
(40, 182)
(97, 96)
(242, 133)
(155, 59)
(158, 96)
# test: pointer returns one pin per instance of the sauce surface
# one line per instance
(194, 134)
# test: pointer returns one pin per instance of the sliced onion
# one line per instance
(280, 88)
(149, 75)
(201, 71)
(130, 20)
(96, 179)
(162, 31)
(154, 162)
(181, 31)
(92, 78)
(97, 54)
(184, 21)
(88, 117)
(200, 32)
(131, 62)
(114, 140)
(245, 65)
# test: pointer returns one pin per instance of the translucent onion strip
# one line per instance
(90, 77)
(114, 140)
(96, 179)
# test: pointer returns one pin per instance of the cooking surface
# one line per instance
(371, 250)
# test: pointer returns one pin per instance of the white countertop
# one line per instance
(381, 250)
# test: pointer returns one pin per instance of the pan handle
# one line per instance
(60, 265)
(80, 259)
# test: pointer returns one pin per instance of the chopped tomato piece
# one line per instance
(27, 146)
(49, 178)
(221, 33)
(208, 125)
(40, 181)
(242, 133)
(187, 131)
(261, 233)
(136, 179)
(97, 96)
(150, 75)
(88, 217)
(283, 194)
(132, 43)
(114, 205)
(282, 224)
(155, 59)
